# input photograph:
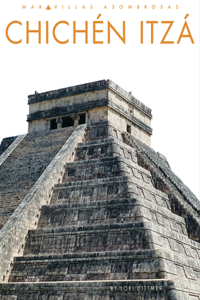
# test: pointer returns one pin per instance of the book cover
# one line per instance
(78, 221)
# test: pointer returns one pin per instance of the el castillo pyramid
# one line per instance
(88, 210)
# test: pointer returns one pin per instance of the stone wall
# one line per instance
(5, 143)
(136, 130)
(183, 202)
(69, 101)
(140, 114)
(13, 234)
(100, 101)
(24, 165)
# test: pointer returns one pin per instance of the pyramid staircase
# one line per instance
(108, 233)
(25, 164)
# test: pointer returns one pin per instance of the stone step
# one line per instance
(94, 290)
(101, 130)
(105, 167)
(91, 190)
(5, 143)
(104, 148)
(109, 212)
(107, 189)
(94, 168)
(89, 266)
(24, 166)
(89, 213)
(145, 264)
(114, 237)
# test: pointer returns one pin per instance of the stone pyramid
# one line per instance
(89, 210)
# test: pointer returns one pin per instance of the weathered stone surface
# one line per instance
(25, 217)
(183, 201)
(134, 236)
(94, 266)
(109, 212)
(24, 165)
(9, 146)
(162, 164)
(88, 87)
(6, 142)
(113, 220)
(99, 101)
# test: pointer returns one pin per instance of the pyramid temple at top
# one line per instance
(88, 210)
